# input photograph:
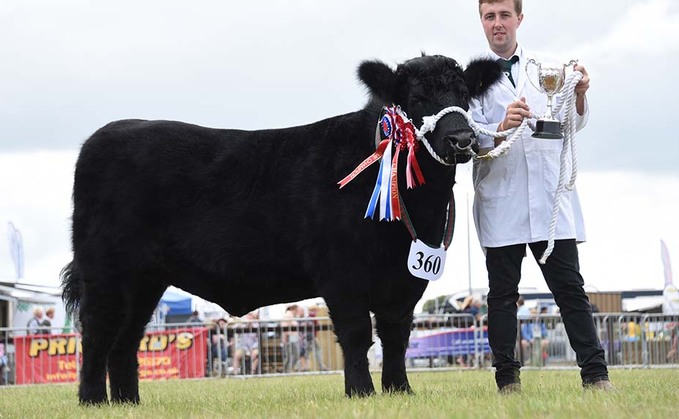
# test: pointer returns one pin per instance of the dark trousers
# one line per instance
(563, 278)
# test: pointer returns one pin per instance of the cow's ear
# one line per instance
(379, 78)
(480, 75)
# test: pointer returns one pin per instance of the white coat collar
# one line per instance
(522, 76)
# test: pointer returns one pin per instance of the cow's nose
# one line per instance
(461, 140)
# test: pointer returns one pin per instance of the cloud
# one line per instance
(35, 195)
(632, 66)
(649, 28)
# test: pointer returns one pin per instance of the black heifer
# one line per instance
(252, 218)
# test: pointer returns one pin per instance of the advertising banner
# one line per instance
(167, 354)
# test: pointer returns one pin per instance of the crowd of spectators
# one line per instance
(41, 322)
(234, 343)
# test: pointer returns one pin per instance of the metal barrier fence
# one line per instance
(309, 346)
(260, 347)
(186, 350)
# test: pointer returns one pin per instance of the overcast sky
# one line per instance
(68, 67)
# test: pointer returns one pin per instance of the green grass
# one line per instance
(547, 394)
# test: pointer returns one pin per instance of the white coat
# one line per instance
(514, 193)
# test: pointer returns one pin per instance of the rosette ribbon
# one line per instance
(398, 133)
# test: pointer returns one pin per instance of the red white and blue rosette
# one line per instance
(395, 132)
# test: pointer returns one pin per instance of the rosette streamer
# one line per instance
(398, 132)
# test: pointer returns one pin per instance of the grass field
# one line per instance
(547, 394)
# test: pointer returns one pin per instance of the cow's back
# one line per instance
(182, 200)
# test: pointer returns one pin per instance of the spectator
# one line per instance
(310, 342)
(674, 339)
(473, 305)
(34, 325)
(534, 332)
(47, 323)
(3, 361)
(194, 318)
(522, 309)
(247, 343)
(290, 338)
(219, 346)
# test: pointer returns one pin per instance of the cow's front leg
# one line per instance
(354, 331)
(394, 336)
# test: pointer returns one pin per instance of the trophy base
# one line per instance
(548, 129)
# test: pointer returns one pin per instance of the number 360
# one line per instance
(429, 264)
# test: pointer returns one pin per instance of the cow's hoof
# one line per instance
(398, 389)
(89, 396)
(364, 391)
(93, 401)
(125, 400)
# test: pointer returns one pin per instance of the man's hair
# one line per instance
(518, 5)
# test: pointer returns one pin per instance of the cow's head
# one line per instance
(426, 85)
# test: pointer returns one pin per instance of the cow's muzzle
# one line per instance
(461, 141)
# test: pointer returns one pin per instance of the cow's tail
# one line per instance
(70, 281)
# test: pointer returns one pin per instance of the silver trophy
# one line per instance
(550, 81)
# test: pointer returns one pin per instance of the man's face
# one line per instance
(499, 24)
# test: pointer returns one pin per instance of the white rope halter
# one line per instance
(429, 124)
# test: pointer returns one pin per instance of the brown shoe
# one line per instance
(511, 388)
(602, 385)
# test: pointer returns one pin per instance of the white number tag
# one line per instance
(426, 262)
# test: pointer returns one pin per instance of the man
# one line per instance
(194, 318)
(290, 338)
(533, 333)
(513, 201)
(310, 343)
(247, 342)
(47, 323)
(35, 323)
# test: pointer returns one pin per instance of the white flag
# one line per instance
(670, 295)
(16, 248)
(666, 263)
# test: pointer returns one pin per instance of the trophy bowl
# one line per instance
(550, 82)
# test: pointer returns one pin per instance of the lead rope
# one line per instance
(568, 145)
(511, 135)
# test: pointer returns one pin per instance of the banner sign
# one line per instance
(176, 353)
(449, 343)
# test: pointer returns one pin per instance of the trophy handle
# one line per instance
(539, 66)
(571, 63)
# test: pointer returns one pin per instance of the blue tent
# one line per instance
(177, 303)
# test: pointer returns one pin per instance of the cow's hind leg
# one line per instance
(123, 365)
(100, 316)
(354, 331)
(394, 336)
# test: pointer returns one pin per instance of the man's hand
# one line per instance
(583, 84)
(580, 89)
(516, 111)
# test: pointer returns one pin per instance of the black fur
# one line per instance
(251, 218)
